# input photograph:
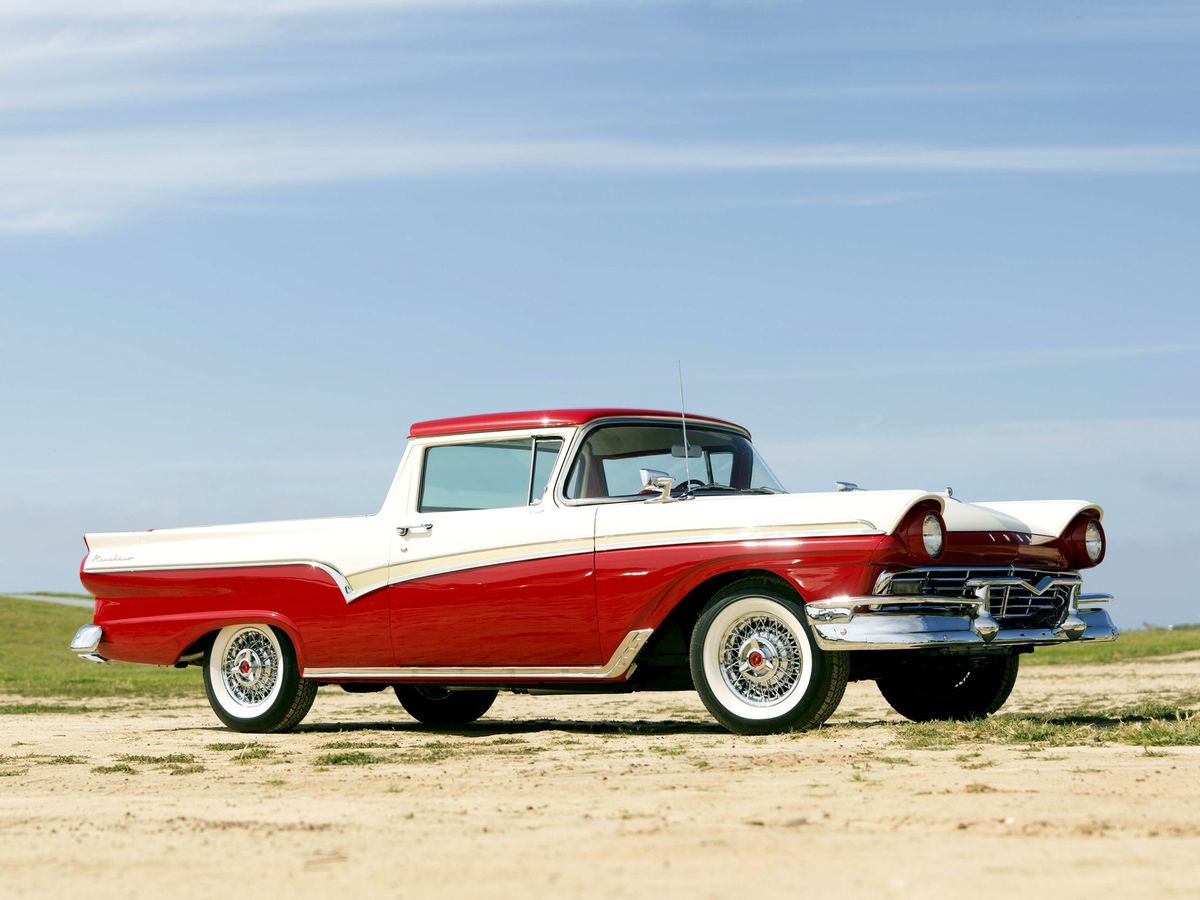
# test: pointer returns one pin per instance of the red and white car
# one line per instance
(605, 550)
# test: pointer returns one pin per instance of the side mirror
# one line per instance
(656, 480)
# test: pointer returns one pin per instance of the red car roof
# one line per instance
(544, 418)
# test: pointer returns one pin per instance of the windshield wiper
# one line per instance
(711, 486)
(715, 486)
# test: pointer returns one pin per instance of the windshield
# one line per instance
(611, 459)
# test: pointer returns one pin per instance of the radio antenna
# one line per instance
(687, 452)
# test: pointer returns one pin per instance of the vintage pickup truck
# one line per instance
(605, 550)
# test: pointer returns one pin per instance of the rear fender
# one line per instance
(162, 639)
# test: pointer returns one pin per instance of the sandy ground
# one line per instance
(595, 796)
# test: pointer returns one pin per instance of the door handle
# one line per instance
(406, 530)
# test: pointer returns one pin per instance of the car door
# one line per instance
(486, 568)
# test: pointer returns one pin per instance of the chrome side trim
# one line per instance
(359, 584)
(855, 528)
(620, 664)
(457, 562)
(349, 591)
(402, 571)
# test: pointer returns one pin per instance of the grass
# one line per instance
(166, 759)
(118, 769)
(33, 709)
(1130, 645)
(349, 758)
(250, 754)
(1145, 725)
(35, 662)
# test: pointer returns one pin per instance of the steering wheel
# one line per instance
(687, 485)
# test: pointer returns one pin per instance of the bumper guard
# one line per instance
(87, 641)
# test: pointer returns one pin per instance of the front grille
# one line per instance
(1011, 605)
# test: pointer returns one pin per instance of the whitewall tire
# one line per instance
(253, 682)
(755, 664)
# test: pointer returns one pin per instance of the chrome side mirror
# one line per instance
(656, 480)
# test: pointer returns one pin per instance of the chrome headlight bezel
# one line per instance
(1093, 541)
(933, 535)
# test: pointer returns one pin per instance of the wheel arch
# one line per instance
(683, 612)
(202, 636)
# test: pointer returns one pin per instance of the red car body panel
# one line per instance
(538, 612)
(135, 610)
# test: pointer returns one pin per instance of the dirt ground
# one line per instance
(591, 796)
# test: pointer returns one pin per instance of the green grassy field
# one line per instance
(1130, 645)
(35, 660)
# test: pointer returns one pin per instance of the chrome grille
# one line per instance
(1011, 604)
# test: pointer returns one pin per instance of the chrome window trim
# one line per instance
(620, 664)
(418, 447)
(560, 487)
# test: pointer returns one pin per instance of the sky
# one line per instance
(244, 245)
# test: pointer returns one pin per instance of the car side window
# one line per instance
(487, 475)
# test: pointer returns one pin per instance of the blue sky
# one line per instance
(243, 246)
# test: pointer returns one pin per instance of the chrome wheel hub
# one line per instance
(760, 659)
(250, 667)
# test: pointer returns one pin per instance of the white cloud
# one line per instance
(854, 201)
(233, 9)
(886, 90)
(85, 179)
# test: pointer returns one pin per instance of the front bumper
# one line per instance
(87, 641)
(862, 623)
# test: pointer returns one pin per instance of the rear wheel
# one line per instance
(444, 708)
(253, 682)
(950, 688)
(757, 667)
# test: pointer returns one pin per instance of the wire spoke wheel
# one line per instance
(755, 664)
(760, 659)
(253, 680)
(250, 667)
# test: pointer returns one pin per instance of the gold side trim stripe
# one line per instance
(401, 572)
(451, 562)
(357, 585)
(620, 664)
(754, 532)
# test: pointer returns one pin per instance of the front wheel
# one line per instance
(444, 708)
(756, 666)
(960, 689)
(253, 682)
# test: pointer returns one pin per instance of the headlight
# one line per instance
(1093, 541)
(933, 536)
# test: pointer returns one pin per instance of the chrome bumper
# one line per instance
(87, 641)
(858, 623)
